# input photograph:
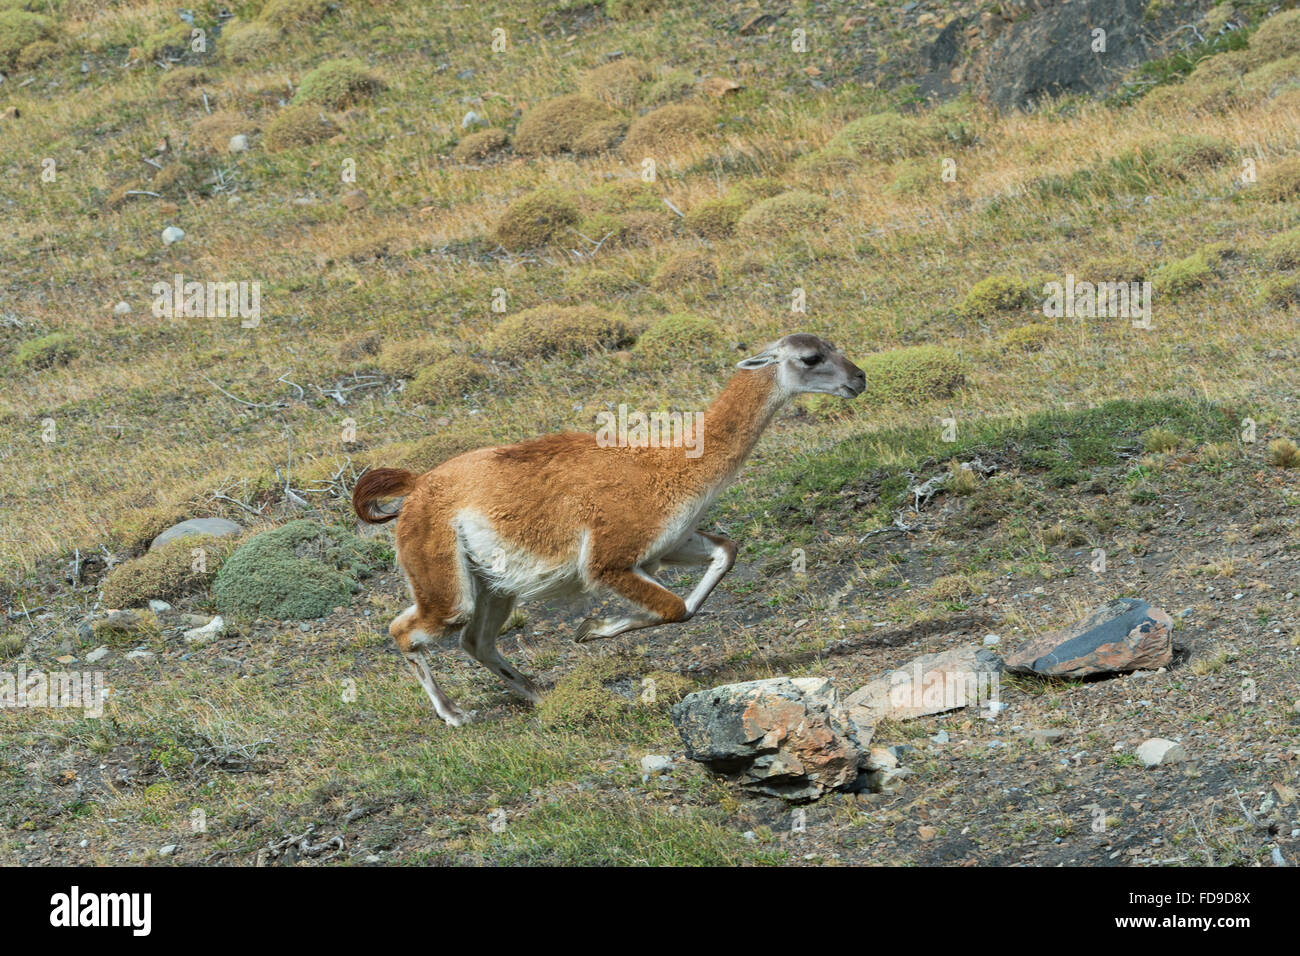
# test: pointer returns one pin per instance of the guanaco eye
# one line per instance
(811, 360)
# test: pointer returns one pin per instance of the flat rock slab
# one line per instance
(219, 527)
(931, 684)
(784, 737)
(1125, 635)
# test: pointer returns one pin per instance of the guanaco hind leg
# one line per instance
(479, 640)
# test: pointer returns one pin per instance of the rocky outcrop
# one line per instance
(1125, 635)
(1034, 50)
(783, 737)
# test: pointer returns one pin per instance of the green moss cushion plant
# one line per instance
(297, 571)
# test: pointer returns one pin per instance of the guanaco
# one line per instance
(563, 515)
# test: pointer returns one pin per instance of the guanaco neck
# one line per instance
(732, 425)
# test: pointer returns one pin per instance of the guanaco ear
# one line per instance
(761, 360)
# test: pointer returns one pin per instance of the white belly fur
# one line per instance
(511, 569)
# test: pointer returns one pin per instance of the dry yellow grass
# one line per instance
(869, 286)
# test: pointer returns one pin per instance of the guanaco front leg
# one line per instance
(717, 552)
(658, 604)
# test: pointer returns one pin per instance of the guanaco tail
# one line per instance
(564, 515)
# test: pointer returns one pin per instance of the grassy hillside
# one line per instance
(433, 281)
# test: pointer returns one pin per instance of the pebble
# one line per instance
(238, 143)
(122, 308)
(652, 764)
(172, 234)
(97, 655)
(940, 738)
(159, 606)
(1158, 751)
(878, 758)
(168, 850)
(1046, 735)
(213, 628)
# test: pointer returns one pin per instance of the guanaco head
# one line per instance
(806, 363)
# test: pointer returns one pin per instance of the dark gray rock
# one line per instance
(1048, 52)
(784, 737)
(1125, 635)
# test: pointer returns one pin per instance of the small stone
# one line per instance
(926, 833)
(878, 758)
(172, 234)
(304, 627)
(886, 781)
(207, 632)
(471, 120)
(719, 86)
(757, 22)
(139, 655)
(1158, 751)
(168, 850)
(652, 764)
(124, 621)
(97, 655)
(238, 143)
(158, 606)
(1047, 735)
(122, 308)
(940, 738)
(991, 640)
